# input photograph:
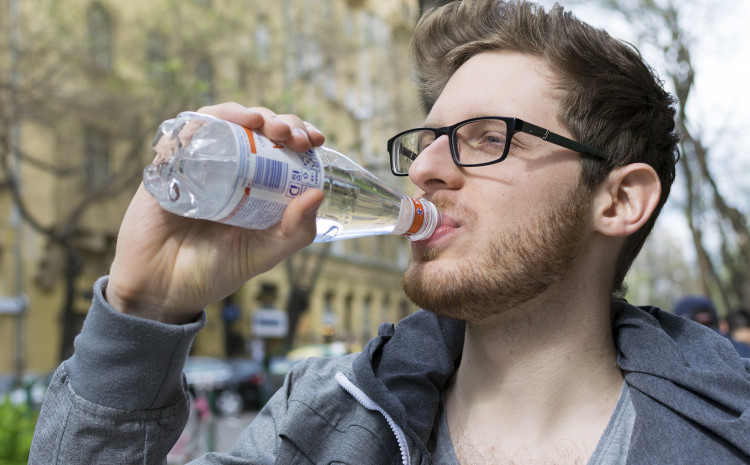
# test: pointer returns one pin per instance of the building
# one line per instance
(89, 83)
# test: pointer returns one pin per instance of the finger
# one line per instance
(299, 138)
(296, 134)
(275, 127)
(298, 222)
(316, 137)
(288, 129)
(250, 118)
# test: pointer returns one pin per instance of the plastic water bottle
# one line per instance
(215, 170)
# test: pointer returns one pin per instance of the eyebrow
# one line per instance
(430, 124)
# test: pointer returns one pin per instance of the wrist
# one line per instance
(138, 304)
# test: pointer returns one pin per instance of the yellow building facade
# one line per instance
(91, 80)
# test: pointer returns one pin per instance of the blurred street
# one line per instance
(228, 429)
(210, 433)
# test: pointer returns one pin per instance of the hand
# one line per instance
(168, 267)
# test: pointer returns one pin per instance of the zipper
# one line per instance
(370, 404)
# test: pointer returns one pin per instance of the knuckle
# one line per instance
(262, 110)
(293, 119)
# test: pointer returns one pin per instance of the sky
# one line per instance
(719, 104)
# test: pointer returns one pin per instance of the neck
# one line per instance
(535, 373)
(556, 343)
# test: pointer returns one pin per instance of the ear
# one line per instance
(626, 199)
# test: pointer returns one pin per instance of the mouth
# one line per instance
(448, 228)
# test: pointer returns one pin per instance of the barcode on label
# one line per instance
(269, 174)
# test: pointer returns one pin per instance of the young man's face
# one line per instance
(511, 229)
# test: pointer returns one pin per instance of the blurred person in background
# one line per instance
(702, 310)
(738, 325)
(549, 148)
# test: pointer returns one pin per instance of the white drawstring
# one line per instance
(369, 404)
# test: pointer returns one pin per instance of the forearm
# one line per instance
(121, 398)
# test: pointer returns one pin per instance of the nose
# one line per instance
(434, 168)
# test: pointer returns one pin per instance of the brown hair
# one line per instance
(609, 98)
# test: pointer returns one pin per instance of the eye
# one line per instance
(488, 144)
(492, 138)
(487, 136)
(425, 139)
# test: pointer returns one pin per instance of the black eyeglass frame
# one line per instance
(515, 125)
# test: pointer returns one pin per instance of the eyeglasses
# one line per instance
(474, 142)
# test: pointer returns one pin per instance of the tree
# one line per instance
(98, 77)
(326, 54)
(302, 271)
(75, 84)
(662, 273)
(669, 27)
(39, 92)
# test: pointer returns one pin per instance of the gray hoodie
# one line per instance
(122, 398)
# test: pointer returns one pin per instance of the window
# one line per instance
(329, 317)
(156, 56)
(348, 303)
(367, 318)
(403, 309)
(96, 159)
(262, 38)
(349, 26)
(100, 41)
(385, 309)
(204, 74)
(268, 295)
(330, 82)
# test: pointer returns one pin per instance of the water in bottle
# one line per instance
(215, 170)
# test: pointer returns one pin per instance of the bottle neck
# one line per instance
(417, 219)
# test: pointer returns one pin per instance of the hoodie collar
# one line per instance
(684, 366)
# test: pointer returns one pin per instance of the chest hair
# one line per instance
(469, 453)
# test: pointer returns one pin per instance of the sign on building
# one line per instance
(269, 323)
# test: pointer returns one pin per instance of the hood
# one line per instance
(688, 384)
(405, 368)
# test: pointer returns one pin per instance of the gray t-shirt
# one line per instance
(612, 448)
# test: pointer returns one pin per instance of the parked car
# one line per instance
(30, 390)
(251, 381)
(212, 377)
(7, 380)
(279, 366)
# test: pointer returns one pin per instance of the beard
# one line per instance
(519, 264)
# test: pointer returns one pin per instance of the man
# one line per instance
(549, 148)
(738, 325)
(701, 310)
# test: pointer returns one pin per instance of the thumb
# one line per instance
(298, 222)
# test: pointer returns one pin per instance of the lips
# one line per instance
(448, 226)
(449, 221)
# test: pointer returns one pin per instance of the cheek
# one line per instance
(513, 191)
(535, 189)
(516, 198)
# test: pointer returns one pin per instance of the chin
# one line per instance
(445, 290)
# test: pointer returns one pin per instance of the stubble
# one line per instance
(519, 264)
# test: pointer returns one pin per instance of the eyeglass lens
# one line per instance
(476, 142)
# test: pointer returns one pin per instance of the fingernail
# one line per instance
(299, 132)
(311, 128)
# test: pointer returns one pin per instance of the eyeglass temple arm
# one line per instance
(408, 153)
(557, 139)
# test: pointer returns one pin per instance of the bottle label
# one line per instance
(418, 217)
(269, 176)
